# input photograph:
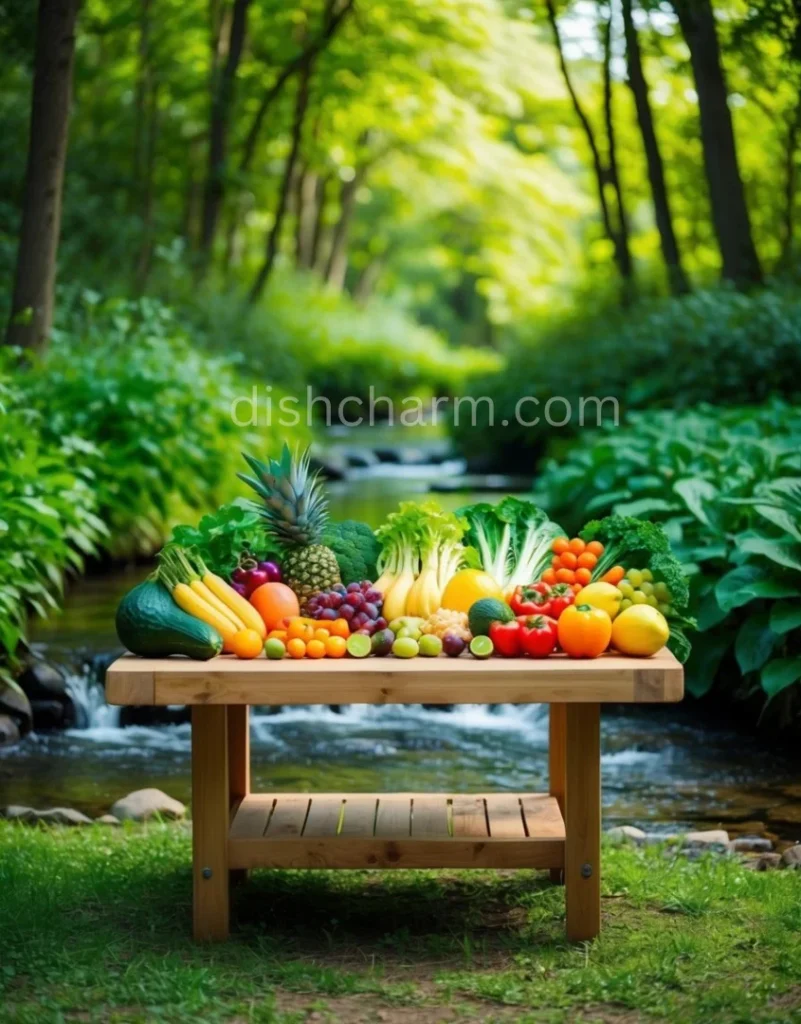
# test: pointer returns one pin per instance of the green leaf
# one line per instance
(735, 588)
(771, 549)
(780, 673)
(773, 589)
(707, 654)
(785, 617)
(643, 508)
(755, 642)
(694, 491)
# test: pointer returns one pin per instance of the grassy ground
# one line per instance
(94, 926)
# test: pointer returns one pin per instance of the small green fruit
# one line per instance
(430, 645)
(274, 649)
(405, 647)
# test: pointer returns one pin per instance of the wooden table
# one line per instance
(235, 830)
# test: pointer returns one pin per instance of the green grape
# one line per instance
(666, 609)
(639, 597)
(650, 599)
(647, 575)
(647, 588)
(625, 603)
(634, 577)
(625, 588)
(662, 592)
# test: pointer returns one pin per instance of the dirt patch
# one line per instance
(371, 1009)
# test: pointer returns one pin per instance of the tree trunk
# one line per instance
(274, 236)
(621, 239)
(141, 97)
(597, 163)
(144, 262)
(369, 278)
(35, 276)
(679, 284)
(337, 264)
(319, 247)
(221, 102)
(308, 188)
(726, 193)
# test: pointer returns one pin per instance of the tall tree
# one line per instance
(726, 193)
(653, 156)
(219, 123)
(35, 275)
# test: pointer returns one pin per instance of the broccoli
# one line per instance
(356, 549)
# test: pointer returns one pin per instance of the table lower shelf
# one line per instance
(402, 830)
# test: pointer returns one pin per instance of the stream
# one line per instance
(663, 768)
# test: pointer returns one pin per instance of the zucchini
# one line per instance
(151, 624)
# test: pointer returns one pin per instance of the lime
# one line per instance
(430, 645)
(275, 649)
(481, 647)
(359, 645)
(405, 647)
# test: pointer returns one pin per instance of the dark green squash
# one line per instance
(151, 624)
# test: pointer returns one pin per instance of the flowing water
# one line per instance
(662, 767)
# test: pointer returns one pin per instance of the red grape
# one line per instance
(371, 610)
(355, 599)
(347, 611)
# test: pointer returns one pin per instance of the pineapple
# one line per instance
(295, 512)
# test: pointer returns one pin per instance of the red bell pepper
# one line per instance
(538, 635)
(562, 596)
(506, 639)
(532, 599)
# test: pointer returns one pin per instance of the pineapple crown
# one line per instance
(295, 507)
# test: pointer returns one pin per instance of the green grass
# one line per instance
(94, 926)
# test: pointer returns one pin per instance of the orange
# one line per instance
(246, 643)
(276, 634)
(321, 634)
(336, 646)
(299, 629)
(340, 627)
(296, 648)
(315, 649)
(274, 601)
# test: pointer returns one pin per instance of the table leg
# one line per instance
(583, 822)
(238, 765)
(210, 821)
(556, 766)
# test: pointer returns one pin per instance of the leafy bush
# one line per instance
(48, 522)
(302, 335)
(718, 346)
(726, 483)
(122, 375)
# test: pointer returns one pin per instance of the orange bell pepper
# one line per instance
(584, 631)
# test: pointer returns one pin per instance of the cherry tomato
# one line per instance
(569, 560)
(595, 547)
(565, 576)
(559, 545)
(577, 545)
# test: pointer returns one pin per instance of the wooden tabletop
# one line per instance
(464, 680)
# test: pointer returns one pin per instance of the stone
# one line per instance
(768, 862)
(146, 803)
(791, 858)
(42, 681)
(713, 841)
(9, 731)
(627, 834)
(15, 705)
(750, 844)
(108, 819)
(51, 816)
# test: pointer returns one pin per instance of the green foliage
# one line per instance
(222, 538)
(48, 511)
(718, 346)
(726, 485)
(356, 548)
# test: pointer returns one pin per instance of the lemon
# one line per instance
(467, 587)
(601, 595)
(640, 631)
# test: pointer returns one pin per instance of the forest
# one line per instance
(433, 197)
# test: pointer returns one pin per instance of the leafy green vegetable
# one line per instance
(513, 539)
(226, 536)
(356, 549)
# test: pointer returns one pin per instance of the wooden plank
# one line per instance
(583, 823)
(359, 815)
(505, 816)
(324, 815)
(288, 817)
(252, 815)
(394, 816)
(210, 814)
(469, 817)
(543, 818)
(360, 852)
(430, 817)
(556, 763)
(238, 751)
(226, 680)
